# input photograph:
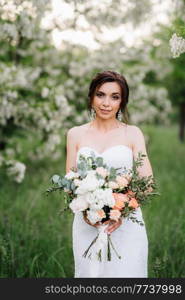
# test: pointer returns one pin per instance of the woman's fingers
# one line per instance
(113, 226)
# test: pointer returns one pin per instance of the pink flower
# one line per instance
(101, 213)
(122, 181)
(133, 203)
(113, 185)
(114, 214)
(102, 171)
(120, 200)
(120, 196)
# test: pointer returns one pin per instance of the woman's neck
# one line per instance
(105, 125)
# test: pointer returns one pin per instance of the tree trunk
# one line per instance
(182, 121)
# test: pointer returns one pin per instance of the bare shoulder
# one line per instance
(73, 137)
(77, 129)
(137, 138)
(135, 131)
(76, 132)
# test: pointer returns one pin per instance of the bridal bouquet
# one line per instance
(102, 194)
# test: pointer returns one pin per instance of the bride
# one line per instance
(118, 143)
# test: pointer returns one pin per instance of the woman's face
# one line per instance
(107, 99)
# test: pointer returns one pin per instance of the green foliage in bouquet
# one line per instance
(140, 185)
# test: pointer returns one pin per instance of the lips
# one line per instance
(106, 111)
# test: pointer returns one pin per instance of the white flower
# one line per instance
(17, 170)
(78, 204)
(108, 198)
(93, 216)
(77, 182)
(95, 199)
(71, 175)
(177, 44)
(45, 92)
(89, 183)
(101, 197)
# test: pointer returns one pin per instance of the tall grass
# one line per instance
(35, 241)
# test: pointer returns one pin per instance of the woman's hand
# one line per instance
(113, 226)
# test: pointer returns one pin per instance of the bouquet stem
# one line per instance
(86, 252)
(102, 239)
(109, 241)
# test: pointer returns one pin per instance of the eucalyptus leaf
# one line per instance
(99, 161)
(55, 178)
(64, 181)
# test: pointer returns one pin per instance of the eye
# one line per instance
(116, 97)
(98, 94)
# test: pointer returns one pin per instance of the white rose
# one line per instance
(89, 183)
(78, 204)
(77, 182)
(93, 217)
(108, 198)
(95, 200)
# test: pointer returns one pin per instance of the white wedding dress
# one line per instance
(129, 239)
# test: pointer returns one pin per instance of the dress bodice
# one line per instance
(119, 156)
(130, 239)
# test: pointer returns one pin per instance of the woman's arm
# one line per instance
(138, 144)
(71, 148)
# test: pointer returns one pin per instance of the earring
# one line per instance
(92, 114)
(119, 115)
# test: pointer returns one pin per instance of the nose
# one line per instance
(106, 101)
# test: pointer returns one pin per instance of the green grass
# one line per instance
(35, 241)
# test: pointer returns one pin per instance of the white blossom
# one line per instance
(93, 216)
(101, 197)
(177, 44)
(78, 204)
(89, 183)
(16, 170)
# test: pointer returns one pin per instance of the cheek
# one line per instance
(116, 105)
(96, 101)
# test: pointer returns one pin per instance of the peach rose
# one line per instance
(120, 196)
(120, 200)
(113, 185)
(101, 213)
(114, 214)
(102, 171)
(133, 203)
(119, 204)
(122, 181)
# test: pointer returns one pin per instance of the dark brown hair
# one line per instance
(110, 76)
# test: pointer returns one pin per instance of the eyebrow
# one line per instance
(112, 93)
